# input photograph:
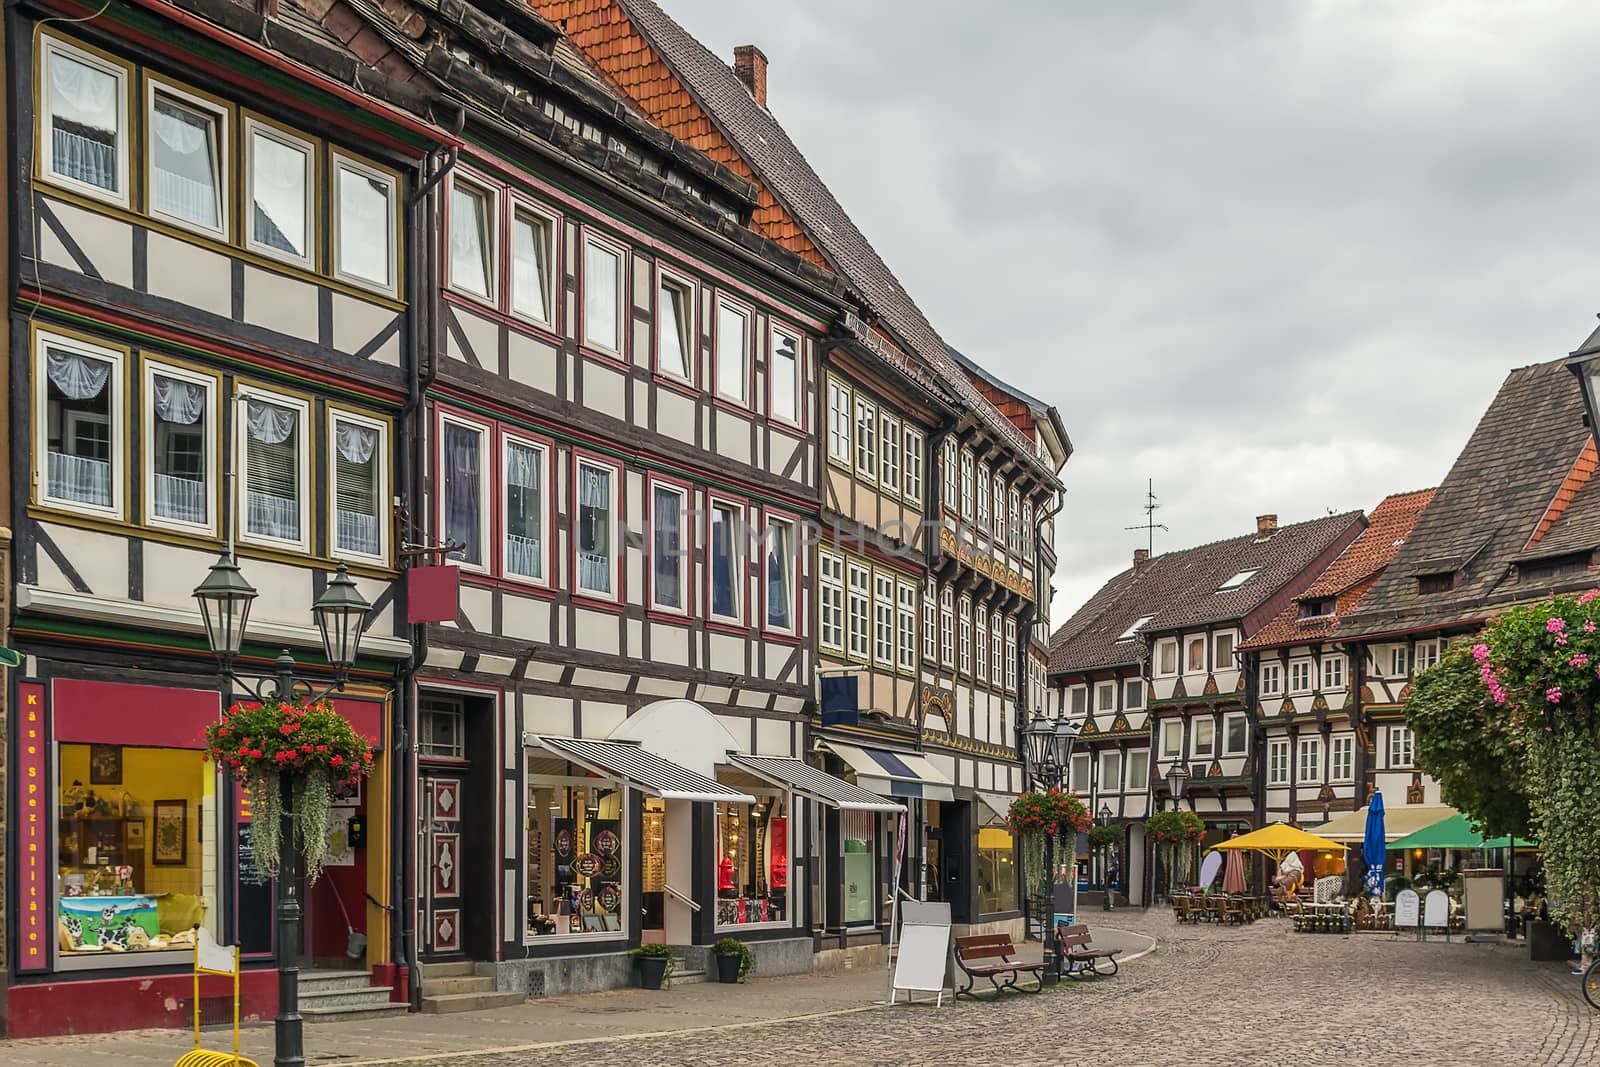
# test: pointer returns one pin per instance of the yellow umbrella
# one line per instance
(1277, 841)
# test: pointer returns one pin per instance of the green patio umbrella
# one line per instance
(1454, 832)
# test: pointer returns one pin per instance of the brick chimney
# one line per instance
(1266, 525)
(1141, 556)
(750, 64)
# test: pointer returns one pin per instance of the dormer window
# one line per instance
(1237, 580)
(1317, 607)
(1138, 624)
(1436, 583)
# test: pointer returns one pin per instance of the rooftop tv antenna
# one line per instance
(1150, 525)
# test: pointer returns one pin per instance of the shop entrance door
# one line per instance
(440, 867)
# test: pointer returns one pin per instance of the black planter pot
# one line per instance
(728, 967)
(652, 970)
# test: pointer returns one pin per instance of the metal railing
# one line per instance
(680, 897)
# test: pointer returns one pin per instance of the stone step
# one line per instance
(361, 1013)
(456, 969)
(344, 998)
(438, 987)
(687, 977)
(451, 1003)
(324, 980)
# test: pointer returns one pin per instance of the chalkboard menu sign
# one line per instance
(255, 899)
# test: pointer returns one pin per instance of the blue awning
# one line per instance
(894, 773)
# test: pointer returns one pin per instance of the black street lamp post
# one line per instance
(1049, 751)
(1177, 782)
(1103, 818)
(340, 614)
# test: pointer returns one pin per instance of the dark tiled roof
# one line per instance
(1180, 589)
(1349, 578)
(764, 143)
(1481, 518)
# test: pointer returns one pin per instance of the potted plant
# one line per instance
(655, 965)
(734, 959)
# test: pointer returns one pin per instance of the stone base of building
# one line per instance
(136, 1002)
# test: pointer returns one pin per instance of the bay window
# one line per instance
(784, 373)
(733, 351)
(907, 619)
(830, 587)
(364, 224)
(778, 572)
(85, 137)
(472, 239)
(273, 441)
(280, 172)
(883, 619)
(674, 336)
(596, 531)
(669, 564)
(463, 496)
(532, 270)
(526, 481)
(188, 141)
(602, 295)
(80, 433)
(860, 611)
(180, 439)
(358, 485)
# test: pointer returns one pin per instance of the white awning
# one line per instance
(811, 783)
(894, 773)
(639, 768)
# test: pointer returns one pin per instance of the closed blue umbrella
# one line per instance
(1374, 847)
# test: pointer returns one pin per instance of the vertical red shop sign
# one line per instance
(35, 934)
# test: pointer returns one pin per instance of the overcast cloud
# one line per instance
(1276, 256)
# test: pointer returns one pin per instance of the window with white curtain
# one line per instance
(674, 336)
(85, 136)
(727, 562)
(472, 237)
(358, 489)
(180, 413)
(838, 421)
(188, 140)
(859, 604)
(602, 295)
(364, 224)
(81, 388)
(669, 562)
(980, 637)
(912, 486)
(906, 618)
(866, 438)
(883, 619)
(463, 478)
(280, 172)
(785, 375)
(830, 585)
(532, 259)
(526, 477)
(276, 454)
(889, 438)
(733, 352)
(777, 572)
(597, 529)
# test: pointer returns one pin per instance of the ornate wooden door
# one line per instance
(439, 848)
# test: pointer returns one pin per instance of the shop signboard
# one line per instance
(1436, 909)
(1405, 908)
(35, 929)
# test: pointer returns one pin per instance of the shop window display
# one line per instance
(134, 869)
(753, 860)
(857, 829)
(997, 871)
(575, 856)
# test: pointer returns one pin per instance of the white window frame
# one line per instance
(791, 574)
(552, 287)
(340, 161)
(883, 620)
(1402, 747)
(740, 563)
(747, 317)
(1078, 779)
(1188, 645)
(1163, 647)
(1105, 697)
(906, 618)
(983, 498)
(1027, 530)
(980, 638)
(1272, 679)
(614, 511)
(1111, 782)
(1136, 783)
(1131, 704)
(1076, 700)
(1227, 731)
(241, 502)
(966, 485)
(1196, 750)
(911, 487)
(1309, 769)
(252, 127)
(1425, 655)
(1014, 498)
(1172, 739)
(685, 545)
(1399, 661)
(50, 47)
(841, 422)
(224, 177)
(1333, 672)
(1342, 759)
(889, 453)
(1238, 579)
(996, 650)
(1301, 677)
(1011, 655)
(1278, 761)
(546, 517)
(998, 529)
(947, 465)
(591, 239)
(796, 417)
(209, 427)
(964, 636)
(866, 438)
(831, 618)
(118, 433)
(858, 606)
(382, 494)
(947, 626)
(485, 491)
(491, 206)
(930, 622)
(1220, 660)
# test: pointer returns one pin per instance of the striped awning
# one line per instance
(813, 784)
(639, 768)
(893, 773)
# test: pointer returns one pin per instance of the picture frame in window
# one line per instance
(87, 471)
(455, 518)
(786, 345)
(726, 518)
(362, 190)
(269, 158)
(788, 528)
(596, 504)
(175, 116)
(172, 498)
(170, 829)
(598, 332)
(530, 218)
(675, 318)
(263, 515)
(352, 534)
(519, 558)
(669, 553)
(472, 238)
(80, 163)
(732, 322)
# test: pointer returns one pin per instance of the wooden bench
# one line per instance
(1079, 957)
(990, 956)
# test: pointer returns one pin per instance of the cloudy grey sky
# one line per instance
(1276, 256)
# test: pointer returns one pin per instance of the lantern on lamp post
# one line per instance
(1048, 750)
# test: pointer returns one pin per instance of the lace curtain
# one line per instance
(355, 443)
(180, 131)
(78, 377)
(82, 94)
(594, 536)
(183, 403)
(667, 582)
(462, 518)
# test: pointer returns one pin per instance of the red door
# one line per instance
(439, 846)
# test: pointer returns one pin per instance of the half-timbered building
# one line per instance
(210, 342)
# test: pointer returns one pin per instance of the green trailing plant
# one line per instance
(309, 744)
(1175, 834)
(1106, 837)
(732, 946)
(1041, 816)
